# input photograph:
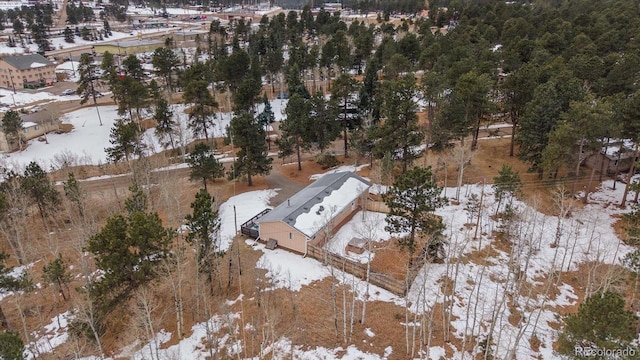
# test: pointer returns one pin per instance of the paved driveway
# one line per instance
(287, 188)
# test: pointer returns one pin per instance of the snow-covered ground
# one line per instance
(86, 144)
(585, 236)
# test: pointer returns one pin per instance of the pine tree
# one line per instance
(324, 128)
(125, 141)
(11, 346)
(36, 185)
(165, 62)
(9, 282)
(88, 73)
(12, 127)
(507, 183)
(127, 250)
(130, 91)
(55, 272)
(68, 35)
(249, 136)
(18, 26)
(109, 70)
(266, 117)
(412, 200)
(204, 165)
(165, 124)
(602, 322)
(342, 92)
(296, 128)
(137, 201)
(74, 193)
(202, 111)
(399, 132)
(107, 27)
(204, 232)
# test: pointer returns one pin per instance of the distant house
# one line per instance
(30, 131)
(26, 71)
(314, 212)
(617, 157)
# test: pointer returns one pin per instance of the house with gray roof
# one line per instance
(26, 71)
(315, 212)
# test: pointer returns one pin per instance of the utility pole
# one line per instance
(13, 85)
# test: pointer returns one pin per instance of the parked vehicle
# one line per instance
(68, 92)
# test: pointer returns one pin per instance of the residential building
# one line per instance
(26, 71)
(30, 131)
(614, 158)
(315, 212)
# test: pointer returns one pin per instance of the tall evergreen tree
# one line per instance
(541, 117)
(204, 165)
(202, 111)
(296, 128)
(399, 131)
(11, 346)
(204, 234)
(10, 282)
(125, 140)
(74, 193)
(601, 323)
(35, 184)
(12, 127)
(56, 272)
(248, 135)
(165, 124)
(507, 183)
(69, 35)
(88, 72)
(412, 201)
(127, 250)
(343, 92)
(130, 91)
(165, 62)
(324, 127)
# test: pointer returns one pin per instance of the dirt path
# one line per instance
(62, 20)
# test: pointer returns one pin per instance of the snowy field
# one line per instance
(86, 144)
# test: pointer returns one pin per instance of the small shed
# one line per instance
(357, 245)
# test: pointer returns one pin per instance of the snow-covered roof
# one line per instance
(22, 62)
(313, 207)
(28, 124)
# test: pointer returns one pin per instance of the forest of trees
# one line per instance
(565, 74)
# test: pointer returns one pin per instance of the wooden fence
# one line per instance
(357, 269)
(376, 206)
